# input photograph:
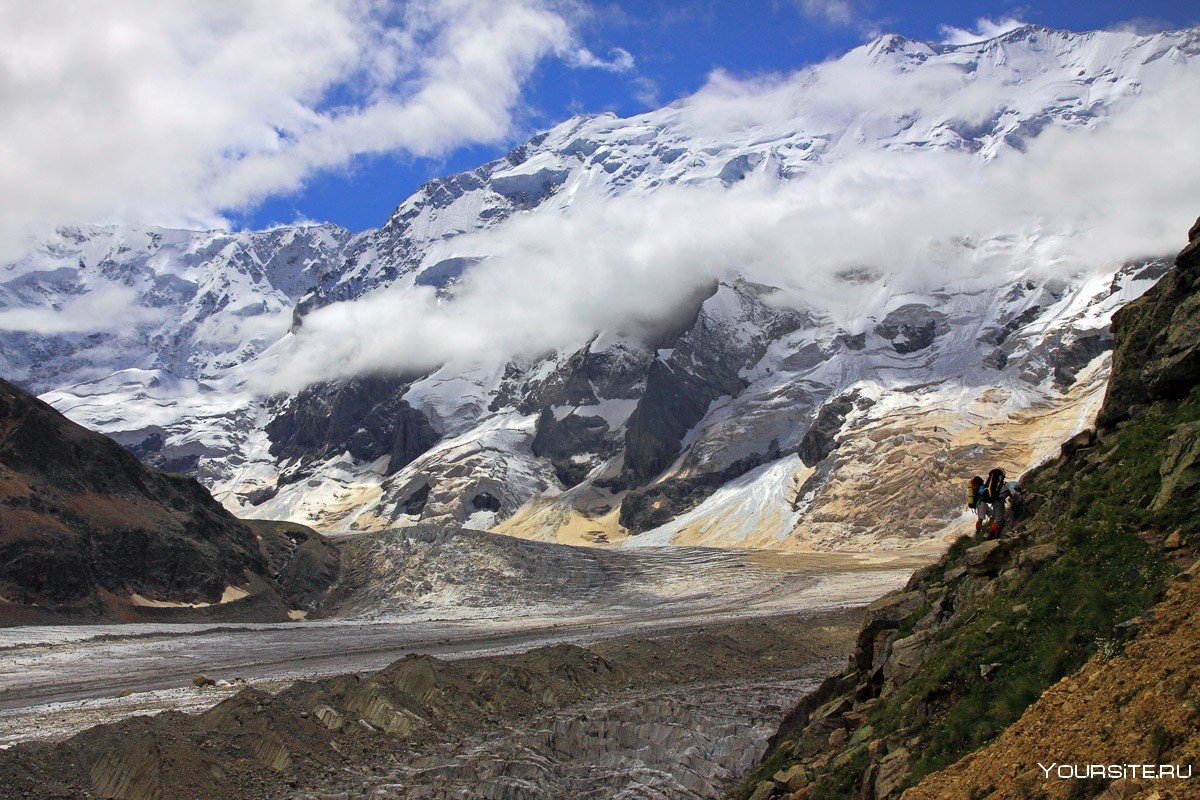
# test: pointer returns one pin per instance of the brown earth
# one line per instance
(1138, 707)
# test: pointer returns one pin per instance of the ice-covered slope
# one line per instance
(754, 417)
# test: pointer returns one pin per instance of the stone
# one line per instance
(1174, 541)
(763, 790)
(837, 738)
(892, 609)
(1038, 554)
(863, 734)
(793, 778)
(986, 670)
(982, 557)
(1080, 441)
(202, 680)
(954, 574)
(906, 658)
(893, 769)
(1180, 470)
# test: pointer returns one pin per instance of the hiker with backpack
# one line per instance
(993, 496)
(975, 502)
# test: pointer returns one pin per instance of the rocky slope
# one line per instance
(86, 528)
(1020, 645)
(748, 418)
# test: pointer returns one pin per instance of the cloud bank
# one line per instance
(172, 111)
(1073, 200)
(985, 28)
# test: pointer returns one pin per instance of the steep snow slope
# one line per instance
(754, 416)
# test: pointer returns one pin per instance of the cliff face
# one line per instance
(1042, 628)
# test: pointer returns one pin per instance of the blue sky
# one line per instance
(675, 46)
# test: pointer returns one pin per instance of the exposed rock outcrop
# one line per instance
(1157, 355)
(365, 416)
(85, 528)
(81, 517)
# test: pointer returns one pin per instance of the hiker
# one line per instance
(975, 501)
(1014, 492)
(993, 498)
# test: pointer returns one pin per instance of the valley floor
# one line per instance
(57, 680)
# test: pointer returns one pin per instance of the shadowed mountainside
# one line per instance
(85, 528)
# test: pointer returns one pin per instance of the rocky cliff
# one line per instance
(86, 528)
(1050, 643)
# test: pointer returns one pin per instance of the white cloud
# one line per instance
(646, 91)
(619, 60)
(171, 111)
(985, 28)
(1075, 199)
(105, 309)
(838, 14)
(831, 12)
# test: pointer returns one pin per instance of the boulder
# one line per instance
(763, 790)
(893, 769)
(1038, 554)
(1080, 441)
(906, 657)
(1180, 469)
(793, 778)
(984, 558)
(892, 609)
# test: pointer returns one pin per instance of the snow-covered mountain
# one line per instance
(754, 416)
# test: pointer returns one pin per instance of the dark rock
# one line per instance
(256, 497)
(564, 441)
(1080, 441)
(912, 327)
(485, 502)
(303, 564)
(997, 336)
(79, 514)
(856, 341)
(414, 504)
(676, 399)
(648, 507)
(704, 364)
(1074, 356)
(820, 440)
(363, 415)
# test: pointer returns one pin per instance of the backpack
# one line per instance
(973, 488)
(993, 489)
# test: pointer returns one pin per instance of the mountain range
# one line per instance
(748, 413)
